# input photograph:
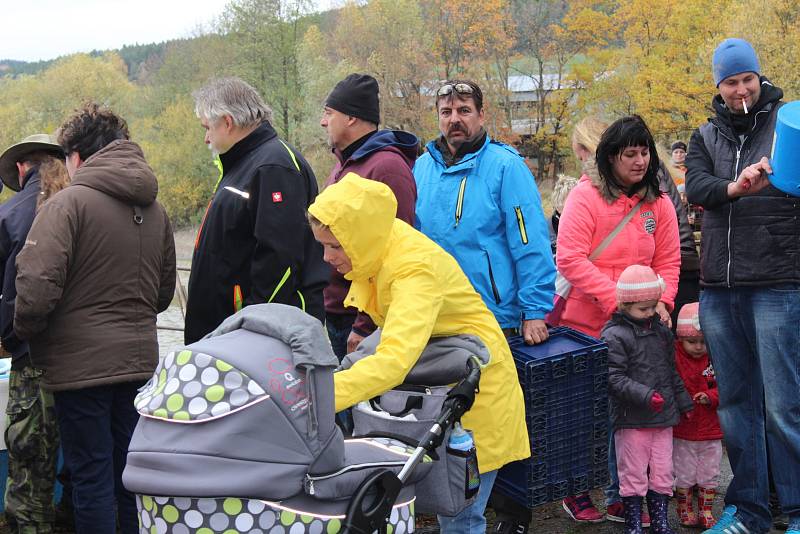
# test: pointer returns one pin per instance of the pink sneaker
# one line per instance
(581, 509)
(616, 512)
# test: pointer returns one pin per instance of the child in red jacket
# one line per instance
(697, 443)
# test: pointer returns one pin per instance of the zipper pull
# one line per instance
(309, 485)
(460, 200)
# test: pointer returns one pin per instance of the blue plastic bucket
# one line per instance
(785, 158)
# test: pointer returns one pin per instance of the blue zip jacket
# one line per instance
(486, 212)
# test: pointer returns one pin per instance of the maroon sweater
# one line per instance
(386, 156)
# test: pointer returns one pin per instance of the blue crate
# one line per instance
(567, 365)
(537, 495)
(565, 387)
(566, 458)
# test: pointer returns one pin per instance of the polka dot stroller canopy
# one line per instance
(237, 433)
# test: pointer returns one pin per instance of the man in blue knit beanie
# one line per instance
(750, 306)
(732, 57)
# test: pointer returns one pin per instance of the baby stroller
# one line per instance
(237, 434)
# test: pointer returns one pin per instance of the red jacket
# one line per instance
(698, 375)
(649, 238)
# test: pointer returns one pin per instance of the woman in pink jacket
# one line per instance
(624, 170)
(627, 166)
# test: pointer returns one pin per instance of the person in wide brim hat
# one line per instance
(17, 152)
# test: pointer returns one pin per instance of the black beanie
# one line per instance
(678, 144)
(357, 96)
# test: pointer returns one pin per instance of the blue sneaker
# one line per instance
(729, 524)
(794, 526)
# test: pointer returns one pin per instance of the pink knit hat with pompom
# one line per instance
(689, 321)
(639, 283)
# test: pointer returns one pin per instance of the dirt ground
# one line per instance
(551, 518)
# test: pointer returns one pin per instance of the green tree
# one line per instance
(173, 144)
(266, 35)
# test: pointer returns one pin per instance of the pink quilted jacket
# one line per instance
(649, 238)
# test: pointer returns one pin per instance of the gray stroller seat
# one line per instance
(237, 434)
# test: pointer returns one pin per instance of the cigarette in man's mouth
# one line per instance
(744, 103)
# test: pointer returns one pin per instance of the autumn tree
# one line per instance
(40, 103)
(391, 45)
(476, 41)
(778, 46)
(173, 144)
(662, 70)
(555, 37)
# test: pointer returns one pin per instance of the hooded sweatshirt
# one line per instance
(414, 291)
(385, 156)
(98, 265)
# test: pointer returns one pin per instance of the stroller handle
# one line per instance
(458, 401)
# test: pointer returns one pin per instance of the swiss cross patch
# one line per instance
(277, 196)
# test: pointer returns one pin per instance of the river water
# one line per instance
(169, 340)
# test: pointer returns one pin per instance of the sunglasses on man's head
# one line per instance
(460, 88)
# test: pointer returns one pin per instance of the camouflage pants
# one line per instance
(32, 440)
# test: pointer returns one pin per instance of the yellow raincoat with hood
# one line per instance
(414, 290)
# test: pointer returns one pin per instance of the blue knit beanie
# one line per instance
(732, 57)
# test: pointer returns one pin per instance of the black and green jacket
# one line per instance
(254, 244)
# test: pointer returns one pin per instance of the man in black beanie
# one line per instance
(678, 151)
(350, 116)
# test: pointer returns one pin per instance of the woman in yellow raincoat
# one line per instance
(414, 290)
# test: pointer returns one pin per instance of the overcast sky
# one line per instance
(46, 29)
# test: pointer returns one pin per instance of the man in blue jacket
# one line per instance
(478, 200)
(32, 434)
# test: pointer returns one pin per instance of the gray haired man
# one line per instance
(254, 244)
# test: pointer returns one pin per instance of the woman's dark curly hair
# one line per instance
(89, 129)
(623, 133)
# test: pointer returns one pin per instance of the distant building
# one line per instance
(524, 97)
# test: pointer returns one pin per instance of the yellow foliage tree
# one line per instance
(662, 71)
(476, 40)
(392, 45)
(777, 40)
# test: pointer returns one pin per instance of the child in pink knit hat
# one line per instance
(697, 446)
(647, 398)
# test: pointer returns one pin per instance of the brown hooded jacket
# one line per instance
(98, 265)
